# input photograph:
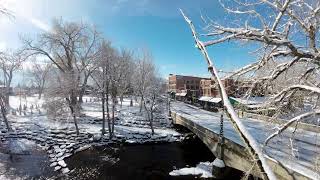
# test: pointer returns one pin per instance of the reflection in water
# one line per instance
(33, 164)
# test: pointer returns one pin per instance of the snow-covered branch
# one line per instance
(250, 142)
(291, 121)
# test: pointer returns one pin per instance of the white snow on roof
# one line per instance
(209, 99)
(181, 94)
(250, 100)
(204, 98)
(215, 100)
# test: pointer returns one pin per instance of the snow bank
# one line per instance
(15, 101)
(203, 168)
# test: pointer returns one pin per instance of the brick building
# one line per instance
(209, 87)
(182, 84)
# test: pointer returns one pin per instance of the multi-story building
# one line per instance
(209, 88)
(189, 84)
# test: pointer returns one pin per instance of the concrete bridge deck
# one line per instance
(299, 161)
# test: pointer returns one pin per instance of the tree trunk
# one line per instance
(7, 91)
(131, 102)
(113, 119)
(4, 114)
(141, 103)
(81, 93)
(151, 122)
(108, 112)
(40, 93)
(121, 100)
(73, 105)
(150, 117)
(83, 88)
(103, 114)
(76, 123)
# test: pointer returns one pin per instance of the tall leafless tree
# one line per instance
(10, 62)
(71, 47)
(144, 69)
(101, 77)
(40, 74)
(125, 85)
(153, 97)
(119, 74)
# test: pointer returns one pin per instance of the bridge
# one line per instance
(291, 155)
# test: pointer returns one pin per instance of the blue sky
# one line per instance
(153, 24)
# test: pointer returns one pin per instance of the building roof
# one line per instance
(181, 94)
(210, 99)
(250, 100)
(189, 76)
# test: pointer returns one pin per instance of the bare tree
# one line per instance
(120, 71)
(144, 69)
(71, 47)
(10, 62)
(101, 77)
(6, 12)
(288, 34)
(153, 98)
(125, 85)
(40, 74)
(3, 109)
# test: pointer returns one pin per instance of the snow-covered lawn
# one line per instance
(57, 135)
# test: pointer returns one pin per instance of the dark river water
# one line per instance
(152, 161)
(116, 162)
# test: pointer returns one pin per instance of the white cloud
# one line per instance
(39, 24)
(3, 46)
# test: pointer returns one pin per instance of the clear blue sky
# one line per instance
(155, 24)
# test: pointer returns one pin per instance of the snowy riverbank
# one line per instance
(58, 137)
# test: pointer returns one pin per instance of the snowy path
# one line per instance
(305, 143)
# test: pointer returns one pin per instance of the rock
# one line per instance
(83, 148)
(57, 168)
(53, 159)
(67, 155)
(97, 137)
(62, 163)
(60, 158)
(53, 164)
(52, 155)
(70, 145)
(59, 154)
(57, 150)
(63, 146)
(65, 170)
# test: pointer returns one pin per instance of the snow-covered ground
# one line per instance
(57, 135)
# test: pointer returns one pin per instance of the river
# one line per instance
(115, 162)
